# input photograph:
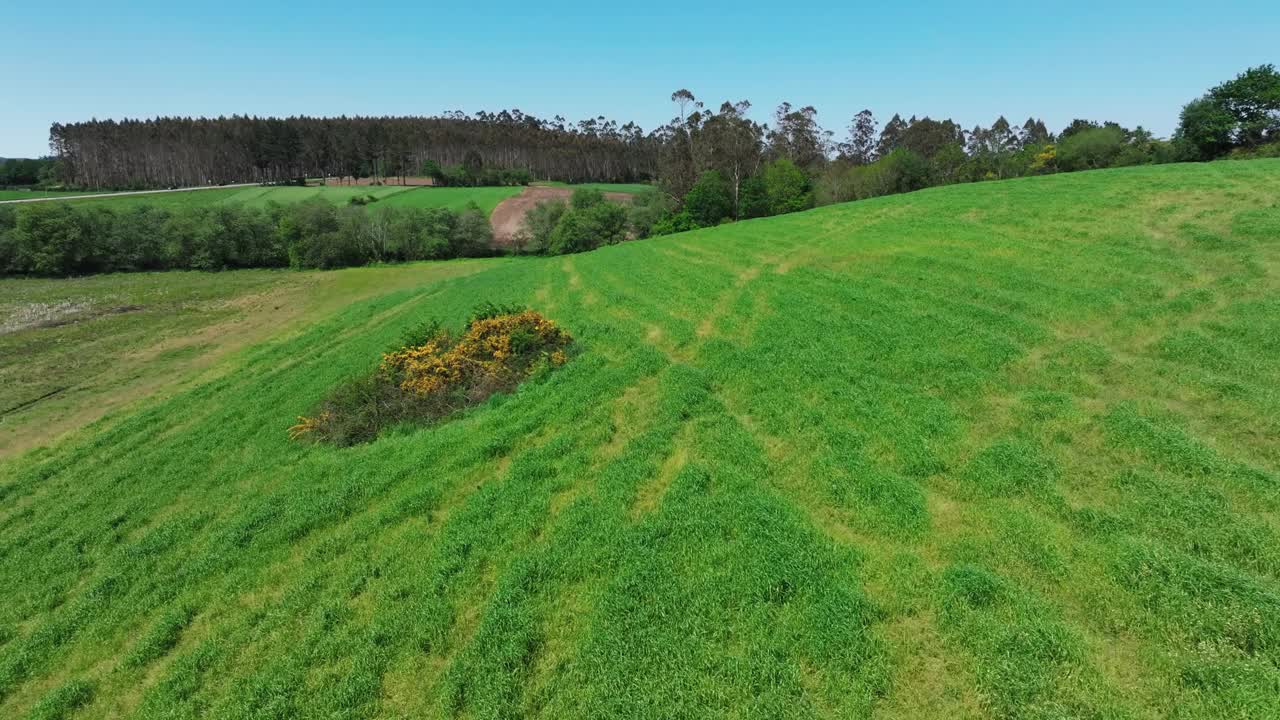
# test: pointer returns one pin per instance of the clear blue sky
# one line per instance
(69, 61)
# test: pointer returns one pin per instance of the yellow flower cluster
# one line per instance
(500, 347)
(440, 375)
(309, 424)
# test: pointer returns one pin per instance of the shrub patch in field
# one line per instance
(435, 373)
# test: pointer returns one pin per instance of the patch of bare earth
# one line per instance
(47, 315)
(508, 217)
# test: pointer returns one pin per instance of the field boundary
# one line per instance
(127, 192)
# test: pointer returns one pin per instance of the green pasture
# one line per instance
(1002, 450)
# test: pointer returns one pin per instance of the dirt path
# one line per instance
(129, 192)
(508, 217)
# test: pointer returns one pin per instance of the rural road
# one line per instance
(129, 192)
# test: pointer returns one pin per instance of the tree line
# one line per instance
(719, 164)
(185, 152)
(1238, 116)
(27, 172)
(60, 239)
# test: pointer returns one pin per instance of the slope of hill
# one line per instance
(1000, 450)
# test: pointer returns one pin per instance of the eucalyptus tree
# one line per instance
(860, 148)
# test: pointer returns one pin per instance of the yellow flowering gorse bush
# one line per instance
(439, 373)
(496, 348)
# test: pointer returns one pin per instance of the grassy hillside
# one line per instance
(1005, 450)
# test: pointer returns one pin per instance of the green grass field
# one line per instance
(32, 194)
(1005, 450)
(454, 198)
(605, 187)
(286, 195)
(259, 196)
(181, 198)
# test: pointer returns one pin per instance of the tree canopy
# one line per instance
(172, 151)
(1241, 113)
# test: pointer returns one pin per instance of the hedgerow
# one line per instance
(58, 239)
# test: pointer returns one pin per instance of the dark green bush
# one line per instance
(360, 407)
(679, 222)
(418, 334)
(787, 187)
(753, 198)
(907, 170)
(8, 239)
(1091, 149)
(53, 239)
(585, 223)
(473, 236)
(646, 210)
(487, 310)
(584, 198)
(710, 200)
(1270, 150)
(588, 228)
(540, 222)
(472, 173)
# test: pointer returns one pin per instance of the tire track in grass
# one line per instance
(507, 631)
(837, 537)
(1082, 695)
(467, 524)
(536, 502)
(318, 336)
(1089, 644)
(566, 562)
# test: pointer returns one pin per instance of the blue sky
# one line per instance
(71, 61)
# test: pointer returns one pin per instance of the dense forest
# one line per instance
(1238, 116)
(178, 152)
